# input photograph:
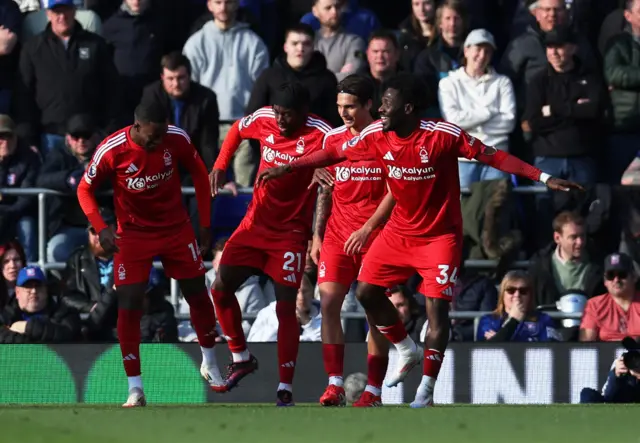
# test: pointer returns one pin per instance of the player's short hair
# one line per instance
(358, 85)
(292, 95)
(174, 61)
(150, 113)
(300, 28)
(564, 218)
(220, 244)
(385, 34)
(412, 90)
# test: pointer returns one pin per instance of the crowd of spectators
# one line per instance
(555, 82)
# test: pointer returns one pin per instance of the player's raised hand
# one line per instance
(558, 184)
(108, 240)
(323, 178)
(216, 181)
(205, 240)
(356, 241)
(271, 173)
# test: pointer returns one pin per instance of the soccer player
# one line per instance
(142, 163)
(424, 232)
(273, 236)
(348, 217)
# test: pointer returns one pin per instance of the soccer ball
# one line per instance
(354, 386)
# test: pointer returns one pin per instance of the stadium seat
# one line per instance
(227, 212)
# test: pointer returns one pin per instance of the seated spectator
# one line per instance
(12, 259)
(410, 313)
(564, 265)
(10, 25)
(353, 19)
(515, 319)
(90, 287)
(481, 102)
(19, 168)
(383, 58)
(37, 21)
(616, 314)
(265, 327)
(301, 63)
(417, 32)
(564, 110)
(33, 316)
(158, 323)
(62, 171)
(344, 52)
(472, 292)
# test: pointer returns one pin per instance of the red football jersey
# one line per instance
(358, 190)
(146, 184)
(422, 173)
(284, 207)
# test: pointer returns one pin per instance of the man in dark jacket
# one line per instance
(10, 27)
(565, 106)
(302, 64)
(18, 169)
(65, 70)
(62, 171)
(33, 317)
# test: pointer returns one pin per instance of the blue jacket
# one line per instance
(355, 20)
(543, 329)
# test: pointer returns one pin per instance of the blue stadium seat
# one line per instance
(227, 212)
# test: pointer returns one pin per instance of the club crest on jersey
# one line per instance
(122, 272)
(322, 270)
(424, 155)
(167, 157)
(300, 146)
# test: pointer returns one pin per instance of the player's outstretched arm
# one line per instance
(319, 159)
(217, 177)
(512, 165)
(359, 238)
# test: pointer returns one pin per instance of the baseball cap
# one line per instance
(107, 215)
(7, 125)
(49, 4)
(80, 124)
(29, 273)
(559, 36)
(480, 37)
(618, 261)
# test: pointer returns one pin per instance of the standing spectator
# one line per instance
(481, 102)
(19, 168)
(227, 57)
(36, 22)
(383, 57)
(616, 314)
(622, 74)
(417, 32)
(353, 19)
(565, 106)
(12, 259)
(62, 171)
(64, 71)
(10, 26)
(344, 52)
(302, 64)
(139, 35)
(33, 316)
(565, 265)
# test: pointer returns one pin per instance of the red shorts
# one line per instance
(176, 248)
(336, 266)
(392, 259)
(282, 260)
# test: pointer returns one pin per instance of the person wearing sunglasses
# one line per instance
(616, 314)
(515, 318)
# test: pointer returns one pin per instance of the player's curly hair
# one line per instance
(412, 89)
(358, 86)
(150, 113)
(293, 95)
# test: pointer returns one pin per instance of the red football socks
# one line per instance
(203, 318)
(333, 357)
(394, 333)
(230, 318)
(432, 362)
(288, 339)
(376, 369)
(128, 327)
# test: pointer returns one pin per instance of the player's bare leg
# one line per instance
(227, 282)
(203, 319)
(331, 299)
(288, 341)
(377, 362)
(384, 315)
(435, 345)
(130, 305)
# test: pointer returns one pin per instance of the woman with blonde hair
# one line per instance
(515, 317)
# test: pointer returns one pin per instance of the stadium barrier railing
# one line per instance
(42, 194)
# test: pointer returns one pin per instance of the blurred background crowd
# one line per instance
(555, 82)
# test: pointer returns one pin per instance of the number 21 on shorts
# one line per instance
(446, 276)
(289, 259)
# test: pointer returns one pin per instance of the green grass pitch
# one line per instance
(313, 424)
